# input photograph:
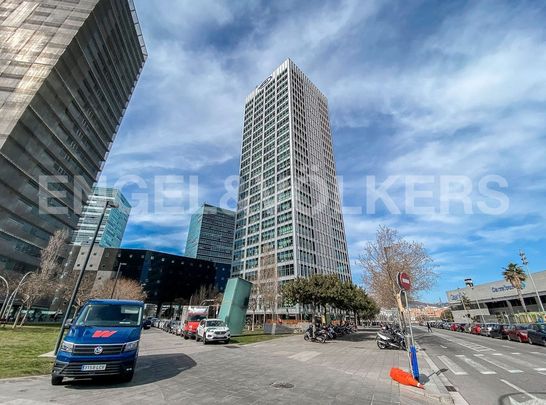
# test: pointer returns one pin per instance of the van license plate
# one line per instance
(94, 367)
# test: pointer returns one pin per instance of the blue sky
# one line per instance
(419, 90)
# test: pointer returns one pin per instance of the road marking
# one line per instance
(443, 347)
(456, 396)
(304, 356)
(524, 363)
(516, 353)
(469, 345)
(499, 365)
(505, 346)
(455, 369)
(520, 390)
(482, 369)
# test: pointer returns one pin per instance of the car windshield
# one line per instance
(196, 318)
(110, 315)
(216, 323)
(541, 327)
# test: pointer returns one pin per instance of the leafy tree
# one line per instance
(515, 275)
(328, 291)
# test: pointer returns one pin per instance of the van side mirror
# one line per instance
(68, 323)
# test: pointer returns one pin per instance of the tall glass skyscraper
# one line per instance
(210, 236)
(67, 72)
(113, 224)
(288, 195)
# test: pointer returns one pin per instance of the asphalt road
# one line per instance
(488, 371)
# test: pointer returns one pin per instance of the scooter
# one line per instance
(320, 336)
(391, 340)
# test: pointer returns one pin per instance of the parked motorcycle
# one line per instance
(391, 339)
(320, 335)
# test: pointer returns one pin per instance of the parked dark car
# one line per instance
(518, 332)
(499, 332)
(461, 327)
(147, 323)
(536, 334)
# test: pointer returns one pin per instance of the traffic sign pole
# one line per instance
(404, 281)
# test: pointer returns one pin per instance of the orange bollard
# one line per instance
(404, 377)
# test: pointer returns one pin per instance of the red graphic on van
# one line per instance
(103, 333)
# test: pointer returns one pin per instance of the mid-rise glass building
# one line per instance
(210, 235)
(289, 200)
(112, 228)
(67, 72)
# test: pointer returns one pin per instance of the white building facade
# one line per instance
(289, 200)
(497, 300)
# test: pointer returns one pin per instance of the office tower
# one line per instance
(288, 195)
(210, 236)
(67, 72)
(113, 224)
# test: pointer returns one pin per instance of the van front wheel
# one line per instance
(127, 377)
(56, 380)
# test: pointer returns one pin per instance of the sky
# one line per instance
(436, 108)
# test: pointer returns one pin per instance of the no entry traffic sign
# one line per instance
(404, 281)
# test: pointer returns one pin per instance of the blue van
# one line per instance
(103, 340)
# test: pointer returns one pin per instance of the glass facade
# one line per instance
(115, 219)
(210, 235)
(166, 277)
(288, 195)
(67, 72)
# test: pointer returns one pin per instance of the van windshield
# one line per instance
(110, 315)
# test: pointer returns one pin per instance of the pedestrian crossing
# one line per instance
(489, 364)
(465, 343)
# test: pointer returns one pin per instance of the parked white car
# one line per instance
(210, 330)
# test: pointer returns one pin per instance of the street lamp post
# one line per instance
(526, 263)
(80, 276)
(13, 295)
(116, 279)
(6, 297)
(478, 303)
(461, 295)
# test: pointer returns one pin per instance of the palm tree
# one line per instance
(515, 275)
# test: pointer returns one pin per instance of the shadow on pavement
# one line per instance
(150, 369)
(358, 336)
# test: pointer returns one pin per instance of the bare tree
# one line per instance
(388, 255)
(42, 283)
(268, 281)
(253, 303)
(67, 283)
(126, 289)
(207, 293)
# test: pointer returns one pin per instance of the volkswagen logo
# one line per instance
(98, 350)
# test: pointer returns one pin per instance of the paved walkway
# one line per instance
(171, 370)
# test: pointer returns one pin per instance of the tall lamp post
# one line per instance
(116, 279)
(526, 263)
(13, 295)
(6, 297)
(80, 276)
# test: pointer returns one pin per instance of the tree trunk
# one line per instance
(253, 319)
(522, 300)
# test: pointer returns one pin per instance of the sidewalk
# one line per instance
(284, 370)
